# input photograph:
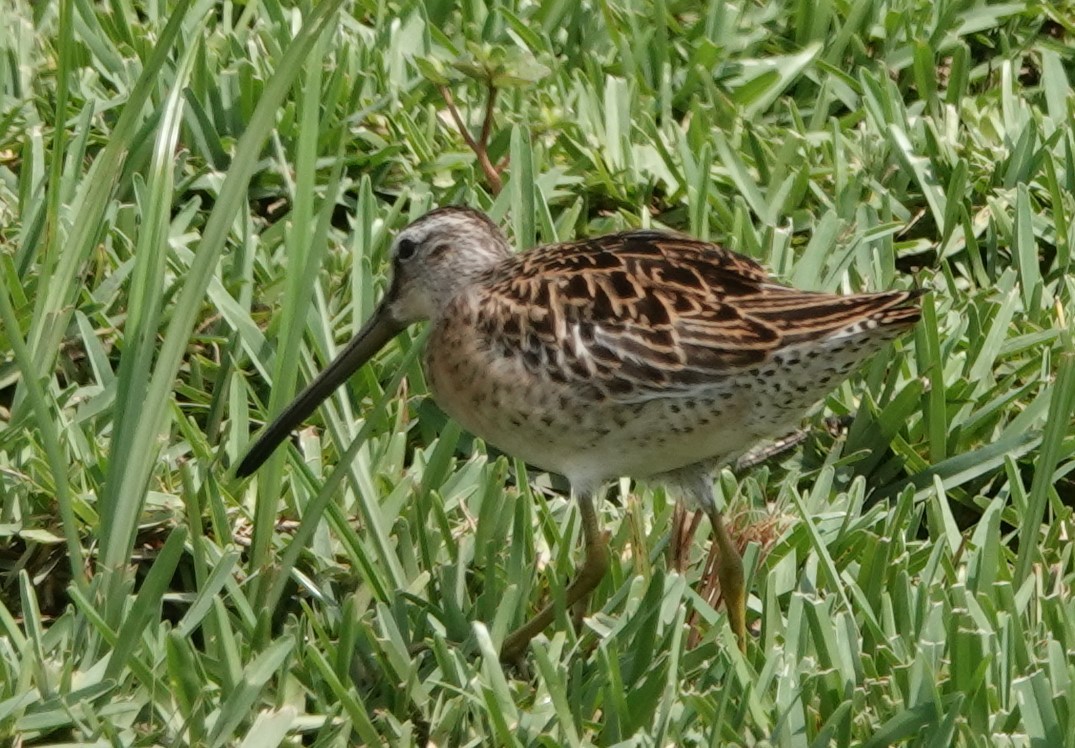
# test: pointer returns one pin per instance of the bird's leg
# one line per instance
(724, 560)
(589, 576)
(729, 569)
(582, 605)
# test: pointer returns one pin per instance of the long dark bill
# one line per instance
(376, 333)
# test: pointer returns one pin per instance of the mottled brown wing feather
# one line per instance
(646, 314)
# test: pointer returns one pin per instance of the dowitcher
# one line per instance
(644, 354)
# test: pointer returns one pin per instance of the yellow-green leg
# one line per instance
(589, 576)
(724, 560)
(729, 568)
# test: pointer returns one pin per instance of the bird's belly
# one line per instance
(577, 432)
(571, 428)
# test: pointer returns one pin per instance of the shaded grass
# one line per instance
(191, 225)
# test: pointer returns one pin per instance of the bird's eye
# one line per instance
(405, 249)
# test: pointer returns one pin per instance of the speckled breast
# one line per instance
(575, 430)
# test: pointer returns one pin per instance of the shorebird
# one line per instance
(645, 354)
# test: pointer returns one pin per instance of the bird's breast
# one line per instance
(572, 428)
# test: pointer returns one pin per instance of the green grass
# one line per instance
(196, 200)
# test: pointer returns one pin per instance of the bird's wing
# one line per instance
(646, 314)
